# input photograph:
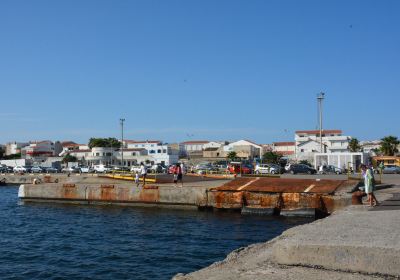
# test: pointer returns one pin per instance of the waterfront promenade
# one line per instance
(357, 242)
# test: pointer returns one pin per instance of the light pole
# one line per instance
(122, 140)
(320, 98)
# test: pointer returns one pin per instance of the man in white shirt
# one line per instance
(143, 172)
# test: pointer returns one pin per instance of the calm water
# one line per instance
(54, 241)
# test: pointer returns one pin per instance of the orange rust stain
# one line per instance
(108, 194)
(227, 199)
(69, 191)
(122, 194)
(300, 200)
(267, 200)
(327, 203)
(149, 195)
(107, 186)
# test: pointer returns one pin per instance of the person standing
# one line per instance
(143, 173)
(137, 178)
(178, 175)
(369, 185)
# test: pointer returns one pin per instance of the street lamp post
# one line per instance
(320, 98)
(122, 140)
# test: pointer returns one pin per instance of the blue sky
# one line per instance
(183, 70)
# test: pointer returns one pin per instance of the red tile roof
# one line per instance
(69, 144)
(284, 143)
(325, 131)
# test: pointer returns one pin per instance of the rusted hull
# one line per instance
(275, 195)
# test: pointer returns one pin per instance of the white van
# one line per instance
(101, 168)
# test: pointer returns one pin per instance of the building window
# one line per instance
(134, 154)
(159, 151)
(97, 154)
(164, 151)
(152, 151)
(302, 150)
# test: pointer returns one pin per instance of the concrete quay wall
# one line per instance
(127, 194)
(352, 243)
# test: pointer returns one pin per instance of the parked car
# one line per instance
(301, 168)
(37, 169)
(237, 168)
(21, 169)
(51, 170)
(85, 169)
(268, 169)
(221, 167)
(157, 168)
(330, 169)
(391, 169)
(3, 169)
(71, 169)
(206, 167)
(135, 168)
(101, 168)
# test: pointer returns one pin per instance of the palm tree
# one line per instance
(389, 145)
(354, 145)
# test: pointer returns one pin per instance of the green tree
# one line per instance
(68, 158)
(389, 145)
(104, 142)
(271, 157)
(231, 156)
(13, 156)
(354, 145)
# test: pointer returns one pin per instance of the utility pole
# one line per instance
(320, 98)
(122, 141)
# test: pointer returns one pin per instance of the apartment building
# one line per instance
(308, 142)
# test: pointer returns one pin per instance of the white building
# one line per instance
(286, 149)
(213, 144)
(193, 146)
(157, 152)
(370, 146)
(244, 149)
(308, 143)
(15, 147)
(343, 160)
(70, 146)
(41, 150)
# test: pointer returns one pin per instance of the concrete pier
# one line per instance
(357, 242)
(266, 196)
(118, 194)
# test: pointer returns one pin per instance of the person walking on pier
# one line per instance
(178, 175)
(369, 185)
(143, 173)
